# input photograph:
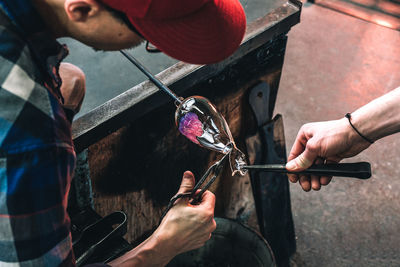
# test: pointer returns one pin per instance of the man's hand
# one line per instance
(322, 142)
(185, 227)
(73, 86)
(331, 141)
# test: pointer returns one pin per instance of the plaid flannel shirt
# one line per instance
(37, 157)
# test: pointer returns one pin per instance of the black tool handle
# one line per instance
(361, 170)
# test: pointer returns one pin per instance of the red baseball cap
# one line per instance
(194, 31)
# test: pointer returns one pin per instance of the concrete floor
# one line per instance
(334, 64)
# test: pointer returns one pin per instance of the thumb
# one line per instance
(187, 183)
(301, 162)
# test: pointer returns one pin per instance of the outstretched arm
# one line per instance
(331, 141)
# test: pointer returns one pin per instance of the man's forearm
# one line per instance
(149, 253)
(380, 117)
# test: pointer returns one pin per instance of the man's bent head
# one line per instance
(194, 31)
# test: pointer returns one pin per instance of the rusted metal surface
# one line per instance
(266, 144)
(145, 97)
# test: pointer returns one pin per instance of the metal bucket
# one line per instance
(232, 244)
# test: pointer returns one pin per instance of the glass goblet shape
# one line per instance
(198, 119)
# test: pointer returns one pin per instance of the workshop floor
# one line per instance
(335, 63)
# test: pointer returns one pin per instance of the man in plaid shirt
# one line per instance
(37, 156)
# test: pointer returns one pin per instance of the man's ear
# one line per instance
(80, 10)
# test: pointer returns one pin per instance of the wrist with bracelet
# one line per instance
(348, 116)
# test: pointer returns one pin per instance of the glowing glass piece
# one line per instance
(191, 127)
(199, 120)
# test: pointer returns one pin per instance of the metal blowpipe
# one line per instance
(152, 78)
(360, 170)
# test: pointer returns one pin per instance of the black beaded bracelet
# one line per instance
(348, 116)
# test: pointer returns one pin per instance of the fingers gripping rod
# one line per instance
(214, 169)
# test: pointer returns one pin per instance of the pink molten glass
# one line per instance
(191, 127)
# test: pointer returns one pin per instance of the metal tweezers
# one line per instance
(214, 169)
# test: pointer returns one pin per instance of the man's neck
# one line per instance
(53, 15)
